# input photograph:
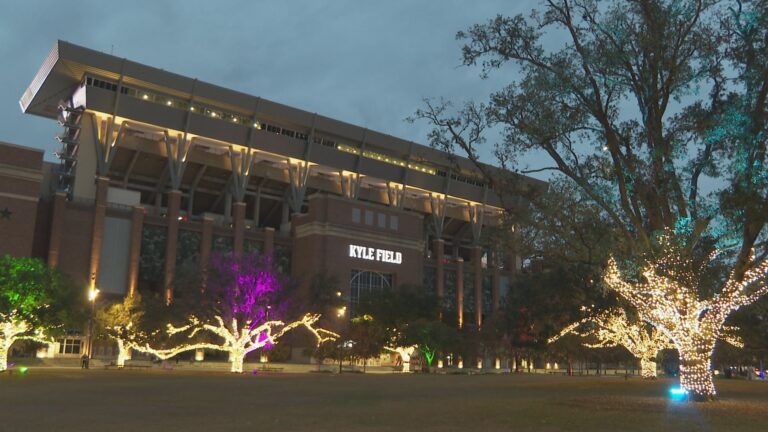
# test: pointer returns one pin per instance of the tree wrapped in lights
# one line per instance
(13, 328)
(613, 328)
(612, 107)
(405, 354)
(244, 313)
(668, 296)
(410, 317)
(35, 302)
(122, 323)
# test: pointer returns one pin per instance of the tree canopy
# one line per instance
(655, 109)
(36, 302)
(38, 295)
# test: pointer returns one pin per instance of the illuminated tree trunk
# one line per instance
(648, 368)
(237, 357)
(5, 346)
(123, 353)
(696, 372)
(405, 355)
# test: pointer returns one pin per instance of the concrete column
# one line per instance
(269, 242)
(256, 210)
(227, 205)
(134, 253)
(495, 281)
(285, 215)
(238, 225)
(460, 291)
(477, 268)
(439, 247)
(172, 217)
(57, 228)
(206, 242)
(97, 236)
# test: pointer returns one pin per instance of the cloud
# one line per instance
(366, 63)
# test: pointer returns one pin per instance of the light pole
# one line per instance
(92, 294)
(340, 312)
(266, 354)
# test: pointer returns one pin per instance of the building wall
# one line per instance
(76, 241)
(322, 240)
(20, 178)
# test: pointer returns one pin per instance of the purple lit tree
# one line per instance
(242, 309)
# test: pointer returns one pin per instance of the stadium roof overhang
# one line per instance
(66, 65)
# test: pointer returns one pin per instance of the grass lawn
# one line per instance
(156, 400)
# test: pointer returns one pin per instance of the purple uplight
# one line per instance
(246, 288)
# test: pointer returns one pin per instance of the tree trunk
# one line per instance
(648, 368)
(123, 353)
(696, 374)
(237, 357)
(406, 358)
(5, 346)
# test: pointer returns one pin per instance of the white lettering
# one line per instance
(375, 254)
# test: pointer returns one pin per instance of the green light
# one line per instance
(23, 370)
(429, 355)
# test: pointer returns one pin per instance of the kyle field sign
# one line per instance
(375, 254)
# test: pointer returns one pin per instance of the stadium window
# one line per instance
(393, 222)
(356, 215)
(382, 220)
(368, 217)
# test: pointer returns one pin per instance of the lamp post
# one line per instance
(340, 312)
(92, 294)
(266, 354)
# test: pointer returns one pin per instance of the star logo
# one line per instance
(5, 214)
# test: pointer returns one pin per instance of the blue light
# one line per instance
(678, 393)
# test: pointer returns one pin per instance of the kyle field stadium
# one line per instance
(158, 171)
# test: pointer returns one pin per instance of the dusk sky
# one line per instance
(366, 63)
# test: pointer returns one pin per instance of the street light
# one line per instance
(92, 294)
(340, 312)
(263, 352)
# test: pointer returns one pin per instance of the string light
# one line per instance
(236, 339)
(613, 328)
(12, 329)
(668, 298)
(405, 355)
(127, 338)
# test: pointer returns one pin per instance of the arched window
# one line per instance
(364, 282)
